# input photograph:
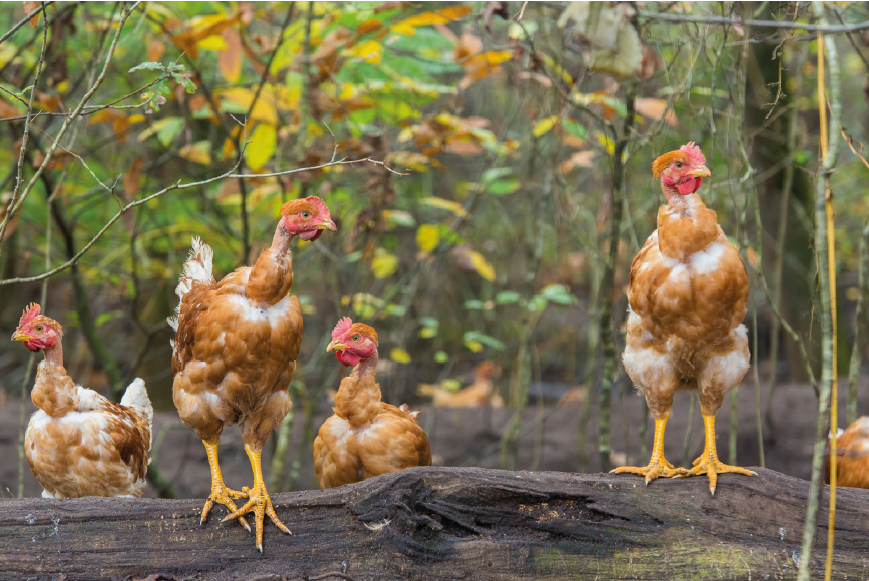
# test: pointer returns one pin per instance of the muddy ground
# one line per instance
(469, 437)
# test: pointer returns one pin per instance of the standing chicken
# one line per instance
(687, 300)
(79, 443)
(366, 437)
(235, 349)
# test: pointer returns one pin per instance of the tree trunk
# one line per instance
(447, 523)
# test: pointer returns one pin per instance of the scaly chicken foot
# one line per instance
(658, 465)
(259, 503)
(219, 492)
(709, 464)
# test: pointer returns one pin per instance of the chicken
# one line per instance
(235, 349)
(852, 456)
(366, 437)
(687, 299)
(79, 443)
(481, 393)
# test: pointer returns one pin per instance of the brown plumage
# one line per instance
(687, 300)
(852, 456)
(481, 393)
(79, 443)
(235, 350)
(365, 437)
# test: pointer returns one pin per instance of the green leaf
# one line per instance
(507, 297)
(474, 304)
(396, 310)
(399, 355)
(558, 293)
(492, 174)
(148, 66)
(575, 129)
(475, 336)
(106, 317)
(503, 187)
(441, 357)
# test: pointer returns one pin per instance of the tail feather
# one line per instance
(197, 268)
(136, 397)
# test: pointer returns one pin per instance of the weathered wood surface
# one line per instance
(449, 523)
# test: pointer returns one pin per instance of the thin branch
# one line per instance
(781, 24)
(342, 161)
(25, 20)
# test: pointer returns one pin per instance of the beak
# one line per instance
(328, 225)
(19, 336)
(335, 345)
(700, 172)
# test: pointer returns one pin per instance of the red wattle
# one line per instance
(347, 359)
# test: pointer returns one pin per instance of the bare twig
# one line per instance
(782, 24)
(860, 333)
(25, 20)
(343, 161)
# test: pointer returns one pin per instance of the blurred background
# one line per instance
(475, 230)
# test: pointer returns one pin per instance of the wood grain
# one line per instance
(449, 523)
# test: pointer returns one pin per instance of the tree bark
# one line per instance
(447, 523)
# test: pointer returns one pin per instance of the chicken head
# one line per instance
(352, 342)
(36, 331)
(306, 218)
(683, 169)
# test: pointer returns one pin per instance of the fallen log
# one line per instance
(448, 523)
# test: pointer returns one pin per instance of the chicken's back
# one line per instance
(391, 441)
(852, 460)
(100, 449)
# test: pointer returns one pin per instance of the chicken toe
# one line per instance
(259, 502)
(658, 465)
(709, 464)
(220, 494)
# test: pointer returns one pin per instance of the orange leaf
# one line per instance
(156, 48)
(655, 109)
(132, 178)
(369, 25)
(30, 6)
(229, 60)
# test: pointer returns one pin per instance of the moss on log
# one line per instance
(448, 523)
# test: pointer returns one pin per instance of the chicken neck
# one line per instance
(685, 224)
(271, 278)
(358, 398)
(54, 392)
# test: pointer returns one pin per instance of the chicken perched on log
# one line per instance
(79, 443)
(852, 456)
(235, 349)
(365, 437)
(687, 299)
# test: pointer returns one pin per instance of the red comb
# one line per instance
(321, 206)
(31, 312)
(694, 154)
(342, 327)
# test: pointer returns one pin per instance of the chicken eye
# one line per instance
(355, 338)
(678, 165)
(306, 215)
(40, 328)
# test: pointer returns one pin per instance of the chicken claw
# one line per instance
(219, 492)
(658, 465)
(709, 464)
(259, 502)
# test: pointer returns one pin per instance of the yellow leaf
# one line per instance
(264, 141)
(213, 42)
(384, 264)
(545, 125)
(197, 152)
(369, 51)
(399, 355)
(136, 118)
(408, 26)
(264, 110)
(474, 346)
(482, 265)
(454, 207)
(427, 237)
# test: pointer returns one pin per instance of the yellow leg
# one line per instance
(219, 492)
(708, 463)
(658, 465)
(260, 503)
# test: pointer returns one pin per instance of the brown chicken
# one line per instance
(79, 443)
(687, 300)
(481, 393)
(235, 349)
(852, 456)
(366, 437)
